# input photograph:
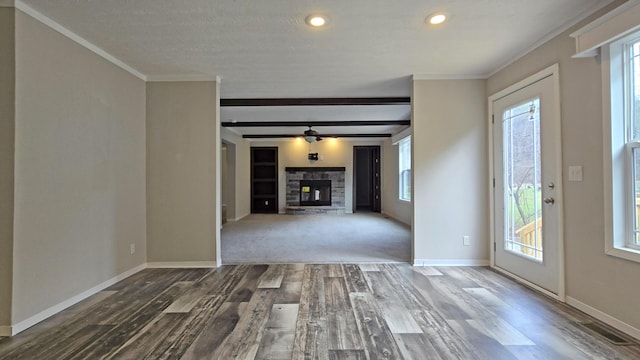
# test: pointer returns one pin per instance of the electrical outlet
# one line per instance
(132, 248)
(466, 241)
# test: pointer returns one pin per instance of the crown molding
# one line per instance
(183, 77)
(561, 29)
(447, 77)
(77, 38)
(7, 3)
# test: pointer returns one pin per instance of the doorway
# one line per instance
(527, 218)
(366, 179)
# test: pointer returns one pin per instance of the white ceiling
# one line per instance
(264, 49)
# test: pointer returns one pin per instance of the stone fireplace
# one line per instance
(315, 190)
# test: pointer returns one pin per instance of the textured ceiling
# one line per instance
(264, 49)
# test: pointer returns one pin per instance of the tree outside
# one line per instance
(522, 182)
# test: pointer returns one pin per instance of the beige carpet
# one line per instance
(362, 237)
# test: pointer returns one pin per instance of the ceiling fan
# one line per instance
(311, 135)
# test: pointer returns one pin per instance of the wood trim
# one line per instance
(315, 123)
(608, 28)
(314, 168)
(324, 136)
(316, 101)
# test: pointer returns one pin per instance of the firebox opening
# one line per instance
(315, 192)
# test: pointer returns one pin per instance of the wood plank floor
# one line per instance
(297, 311)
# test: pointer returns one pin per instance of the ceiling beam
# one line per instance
(268, 136)
(315, 123)
(316, 101)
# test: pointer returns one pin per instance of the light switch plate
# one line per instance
(575, 173)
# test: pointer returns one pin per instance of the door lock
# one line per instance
(549, 200)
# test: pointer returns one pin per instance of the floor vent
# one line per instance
(607, 334)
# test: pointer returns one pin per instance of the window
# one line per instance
(623, 187)
(631, 98)
(404, 150)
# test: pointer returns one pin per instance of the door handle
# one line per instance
(549, 200)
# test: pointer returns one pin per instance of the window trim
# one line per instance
(401, 143)
(618, 187)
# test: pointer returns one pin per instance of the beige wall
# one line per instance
(7, 153)
(604, 282)
(181, 171)
(334, 152)
(79, 169)
(450, 170)
(391, 203)
(241, 173)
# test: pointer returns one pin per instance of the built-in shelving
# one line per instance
(264, 180)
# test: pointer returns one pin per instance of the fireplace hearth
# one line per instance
(315, 192)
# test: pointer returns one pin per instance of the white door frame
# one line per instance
(552, 70)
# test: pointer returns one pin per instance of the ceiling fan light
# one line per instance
(310, 138)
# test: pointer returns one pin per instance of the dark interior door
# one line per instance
(366, 180)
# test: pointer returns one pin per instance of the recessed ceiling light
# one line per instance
(437, 18)
(316, 20)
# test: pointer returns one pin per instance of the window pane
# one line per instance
(404, 150)
(634, 86)
(632, 100)
(522, 181)
(636, 196)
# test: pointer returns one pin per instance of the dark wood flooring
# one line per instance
(389, 311)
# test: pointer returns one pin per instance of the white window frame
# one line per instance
(618, 161)
(406, 141)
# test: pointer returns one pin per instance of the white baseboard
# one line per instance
(396, 218)
(29, 322)
(238, 218)
(450, 262)
(43, 315)
(605, 318)
(181, 264)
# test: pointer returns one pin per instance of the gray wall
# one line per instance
(181, 171)
(7, 137)
(450, 170)
(604, 282)
(79, 169)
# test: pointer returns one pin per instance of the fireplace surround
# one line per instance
(324, 183)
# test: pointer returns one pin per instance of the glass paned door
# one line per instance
(527, 175)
